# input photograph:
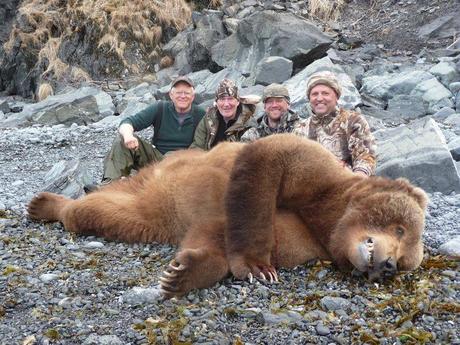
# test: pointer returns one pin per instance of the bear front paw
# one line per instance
(247, 269)
(171, 282)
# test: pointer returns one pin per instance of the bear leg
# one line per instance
(200, 263)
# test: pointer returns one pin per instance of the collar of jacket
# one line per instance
(286, 120)
(244, 111)
(324, 119)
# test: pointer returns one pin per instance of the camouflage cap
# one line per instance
(324, 78)
(182, 79)
(227, 87)
(276, 90)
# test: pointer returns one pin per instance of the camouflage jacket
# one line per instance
(206, 130)
(347, 135)
(289, 123)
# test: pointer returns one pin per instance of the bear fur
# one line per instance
(251, 208)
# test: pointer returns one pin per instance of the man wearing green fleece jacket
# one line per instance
(174, 124)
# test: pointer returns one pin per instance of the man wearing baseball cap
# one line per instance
(174, 124)
(277, 117)
(344, 132)
(227, 120)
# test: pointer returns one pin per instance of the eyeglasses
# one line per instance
(183, 93)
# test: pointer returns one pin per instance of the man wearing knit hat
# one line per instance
(344, 132)
(277, 118)
(227, 120)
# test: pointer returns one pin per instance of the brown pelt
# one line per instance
(249, 209)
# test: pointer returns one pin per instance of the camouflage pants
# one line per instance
(120, 160)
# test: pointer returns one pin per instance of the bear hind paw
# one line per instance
(45, 206)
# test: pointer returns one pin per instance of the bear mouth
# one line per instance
(366, 252)
(371, 264)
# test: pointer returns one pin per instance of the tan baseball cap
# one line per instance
(182, 79)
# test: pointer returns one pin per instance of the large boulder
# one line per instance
(67, 178)
(269, 33)
(272, 69)
(297, 85)
(418, 152)
(191, 48)
(82, 106)
(421, 85)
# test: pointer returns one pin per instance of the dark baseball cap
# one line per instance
(182, 79)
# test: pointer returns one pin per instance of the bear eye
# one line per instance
(400, 231)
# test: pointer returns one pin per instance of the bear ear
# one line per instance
(417, 193)
(421, 197)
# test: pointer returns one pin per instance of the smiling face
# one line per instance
(182, 95)
(275, 107)
(227, 106)
(323, 99)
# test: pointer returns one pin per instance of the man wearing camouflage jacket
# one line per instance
(277, 118)
(344, 132)
(227, 119)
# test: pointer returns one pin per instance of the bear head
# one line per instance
(381, 229)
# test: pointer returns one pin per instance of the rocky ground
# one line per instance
(395, 24)
(59, 288)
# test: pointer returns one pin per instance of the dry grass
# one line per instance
(44, 91)
(325, 9)
(166, 61)
(121, 25)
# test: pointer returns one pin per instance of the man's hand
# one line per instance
(129, 140)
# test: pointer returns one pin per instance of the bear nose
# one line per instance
(388, 267)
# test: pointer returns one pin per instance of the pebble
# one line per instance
(48, 277)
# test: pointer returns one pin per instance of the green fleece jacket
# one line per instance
(172, 134)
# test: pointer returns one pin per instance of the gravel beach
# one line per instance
(57, 288)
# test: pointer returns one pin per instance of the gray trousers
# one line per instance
(120, 160)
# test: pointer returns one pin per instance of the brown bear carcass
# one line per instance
(251, 208)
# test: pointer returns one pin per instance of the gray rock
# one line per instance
(4, 107)
(457, 101)
(66, 178)
(406, 107)
(446, 72)
(48, 277)
(191, 49)
(269, 33)
(290, 317)
(321, 329)
(454, 147)
(441, 27)
(416, 83)
(94, 245)
(95, 339)
(418, 152)
(272, 69)
(434, 94)
(82, 106)
(297, 85)
(231, 24)
(443, 114)
(451, 248)
(141, 296)
(454, 121)
(334, 303)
